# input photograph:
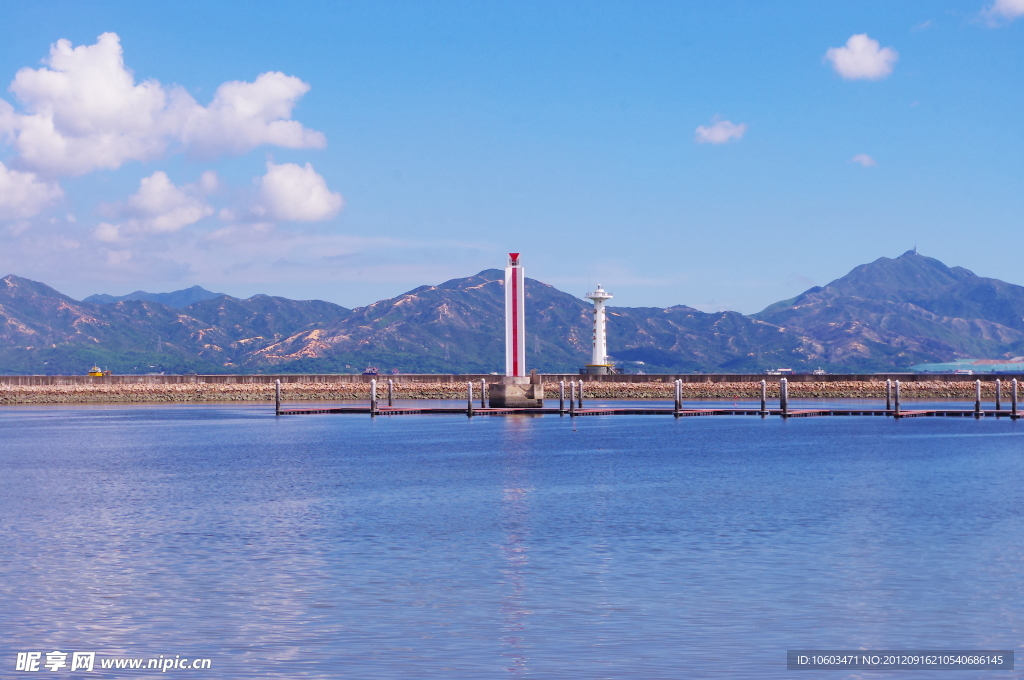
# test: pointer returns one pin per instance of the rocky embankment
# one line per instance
(206, 392)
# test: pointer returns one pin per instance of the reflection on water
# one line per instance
(515, 524)
(443, 547)
(517, 558)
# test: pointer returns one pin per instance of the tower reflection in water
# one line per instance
(515, 514)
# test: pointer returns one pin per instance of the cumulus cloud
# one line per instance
(84, 111)
(294, 193)
(1007, 10)
(719, 132)
(864, 160)
(243, 116)
(208, 182)
(158, 207)
(164, 207)
(23, 194)
(862, 59)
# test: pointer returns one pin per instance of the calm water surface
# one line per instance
(448, 547)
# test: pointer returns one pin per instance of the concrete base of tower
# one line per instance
(599, 369)
(515, 392)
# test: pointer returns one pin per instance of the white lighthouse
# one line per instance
(599, 363)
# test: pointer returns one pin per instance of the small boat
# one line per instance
(371, 370)
(96, 372)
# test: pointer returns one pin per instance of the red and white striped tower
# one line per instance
(515, 318)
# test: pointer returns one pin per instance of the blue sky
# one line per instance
(677, 153)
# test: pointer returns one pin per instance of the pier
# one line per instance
(648, 411)
(575, 407)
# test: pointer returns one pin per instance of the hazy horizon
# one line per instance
(370, 302)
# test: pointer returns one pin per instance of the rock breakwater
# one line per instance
(326, 391)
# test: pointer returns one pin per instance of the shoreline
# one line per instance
(143, 393)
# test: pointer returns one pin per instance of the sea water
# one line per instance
(344, 546)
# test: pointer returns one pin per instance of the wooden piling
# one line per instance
(561, 397)
(580, 395)
(373, 397)
(572, 398)
(896, 412)
(391, 392)
(469, 398)
(888, 394)
(1013, 398)
(999, 394)
(977, 398)
(483, 393)
(277, 397)
(784, 397)
(764, 398)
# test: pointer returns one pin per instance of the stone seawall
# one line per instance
(249, 392)
(435, 378)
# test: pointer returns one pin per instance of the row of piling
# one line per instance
(575, 397)
(892, 397)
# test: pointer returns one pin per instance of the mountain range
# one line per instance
(882, 316)
(177, 299)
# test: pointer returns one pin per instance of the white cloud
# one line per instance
(862, 59)
(23, 194)
(158, 207)
(241, 233)
(163, 207)
(719, 132)
(105, 231)
(300, 263)
(864, 160)
(243, 116)
(116, 257)
(1005, 9)
(84, 111)
(289, 192)
(208, 182)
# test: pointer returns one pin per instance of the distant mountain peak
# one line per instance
(892, 278)
(911, 304)
(906, 278)
(178, 299)
(14, 285)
